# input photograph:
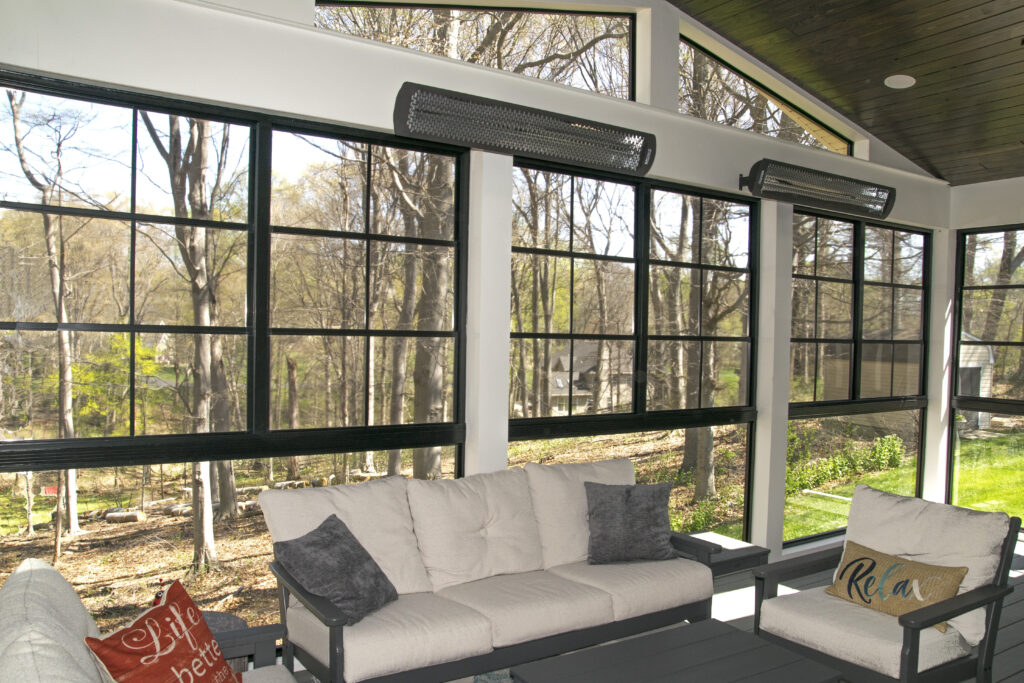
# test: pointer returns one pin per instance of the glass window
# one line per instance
(710, 90)
(988, 461)
(584, 50)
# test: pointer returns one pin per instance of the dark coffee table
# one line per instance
(704, 651)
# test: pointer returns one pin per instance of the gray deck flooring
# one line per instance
(1008, 666)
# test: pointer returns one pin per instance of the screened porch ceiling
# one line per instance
(961, 122)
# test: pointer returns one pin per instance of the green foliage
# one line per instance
(886, 452)
(702, 517)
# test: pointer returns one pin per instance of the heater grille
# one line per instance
(445, 116)
(777, 180)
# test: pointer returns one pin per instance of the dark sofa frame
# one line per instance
(686, 546)
(978, 665)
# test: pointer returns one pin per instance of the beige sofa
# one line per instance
(491, 570)
(43, 626)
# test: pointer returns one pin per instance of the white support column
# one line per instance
(657, 57)
(487, 316)
(940, 365)
(772, 401)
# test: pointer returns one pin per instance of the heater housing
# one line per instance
(816, 189)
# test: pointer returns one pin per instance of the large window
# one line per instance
(988, 465)
(582, 49)
(711, 90)
(856, 368)
(631, 307)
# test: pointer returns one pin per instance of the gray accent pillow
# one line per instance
(330, 562)
(628, 522)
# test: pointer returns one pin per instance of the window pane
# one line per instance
(827, 457)
(602, 376)
(909, 264)
(77, 153)
(541, 205)
(726, 233)
(802, 320)
(724, 305)
(412, 194)
(804, 233)
(603, 218)
(878, 254)
(706, 465)
(907, 316)
(993, 314)
(876, 371)
(835, 249)
(602, 297)
(540, 293)
(834, 372)
(223, 165)
(801, 372)
(167, 369)
(726, 368)
(171, 262)
(672, 372)
(588, 51)
(412, 287)
(317, 282)
(988, 472)
(877, 312)
(541, 373)
(989, 258)
(835, 310)
(317, 381)
(319, 183)
(674, 301)
(674, 221)
(906, 378)
(426, 380)
(93, 258)
(991, 371)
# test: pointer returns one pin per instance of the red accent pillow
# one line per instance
(169, 642)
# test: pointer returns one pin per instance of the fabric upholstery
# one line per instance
(330, 562)
(522, 607)
(638, 588)
(892, 585)
(850, 632)
(376, 512)
(628, 522)
(932, 533)
(475, 527)
(417, 630)
(268, 674)
(560, 504)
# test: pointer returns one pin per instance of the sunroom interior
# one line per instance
(215, 248)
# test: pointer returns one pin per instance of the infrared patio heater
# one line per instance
(429, 113)
(772, 179)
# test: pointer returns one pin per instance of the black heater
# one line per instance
(777, 180)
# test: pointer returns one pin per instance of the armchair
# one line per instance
(867, 645)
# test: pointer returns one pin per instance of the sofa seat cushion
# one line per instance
(268, 674)
(919, 530)
(475, 527)
(522, 607)
(376, 512)
(850, 632)
(638, 588)
(560, 504)
(417, 630)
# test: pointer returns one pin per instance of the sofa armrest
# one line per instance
(322, 608)
(695, 548)
(258, 642)
(953, 607)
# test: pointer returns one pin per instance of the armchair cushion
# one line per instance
(847, 631)
(628, 522)
(890, 584)
(915, 529)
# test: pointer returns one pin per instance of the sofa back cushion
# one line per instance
(376, 512)
(43, 626)
(560, 504)
(932, 533)
(476, 527)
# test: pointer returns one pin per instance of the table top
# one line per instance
(703, 651)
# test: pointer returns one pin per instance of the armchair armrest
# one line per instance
(696, 548)
(322, 608)
(952, 607)
(768, 576)
(259, 642)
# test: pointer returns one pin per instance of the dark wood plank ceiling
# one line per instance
(963, 121)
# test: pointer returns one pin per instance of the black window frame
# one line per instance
(630, 16)
(257, 440)
(856, 405)
(640, 419)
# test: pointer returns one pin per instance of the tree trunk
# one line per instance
(71, 488)
(293, 412)
(228, 496)
(400, 356)
(29, 499)
(996, 305)
(204, 554)
(58, 526)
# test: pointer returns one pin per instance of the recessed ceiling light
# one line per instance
(899, 81)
